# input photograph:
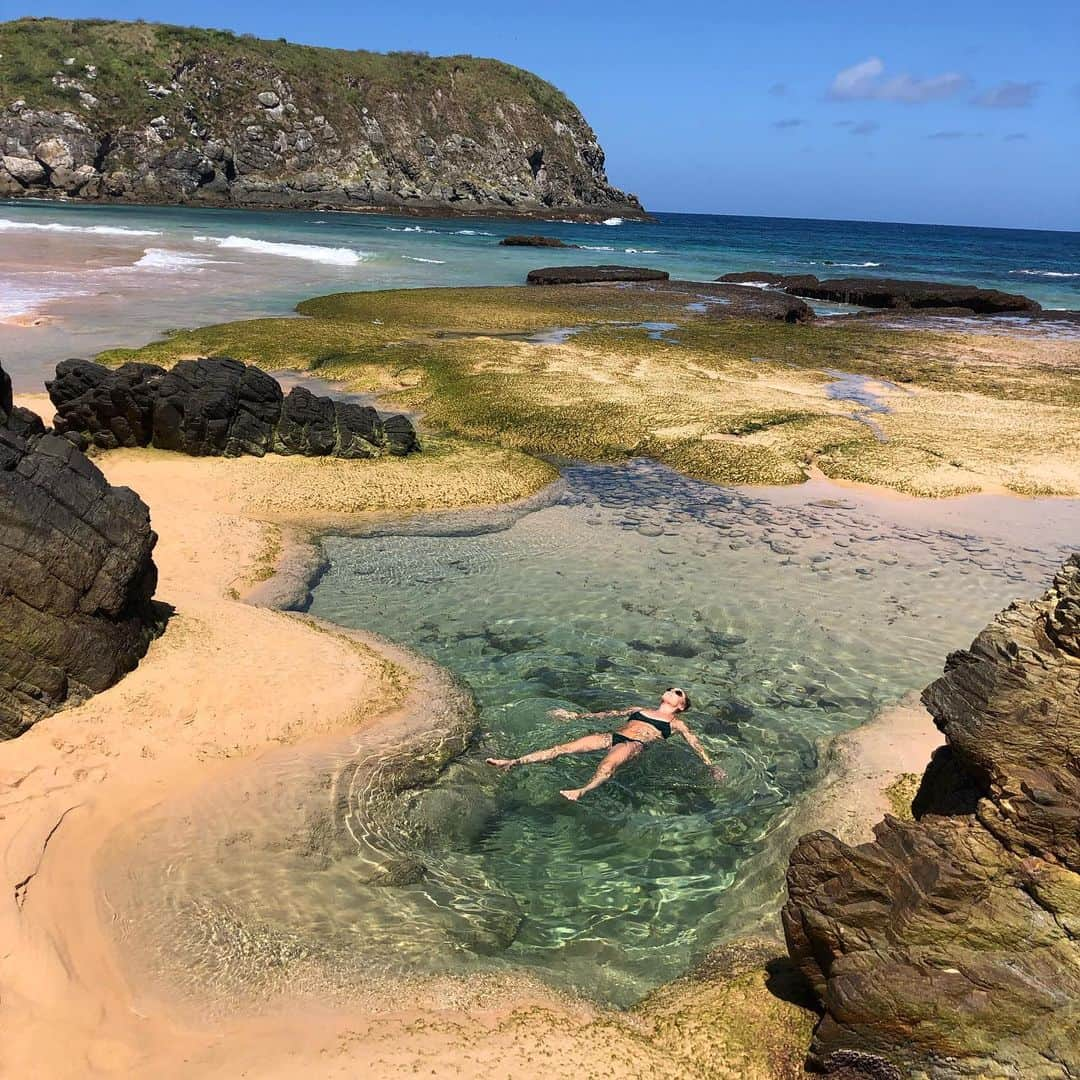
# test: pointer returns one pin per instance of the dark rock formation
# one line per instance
(76, 575)
(140, 112)
(950, 946)
(583, 275)
(111, 407)
(534, 241)
(215, 406)
(308, 425)
(894, 294)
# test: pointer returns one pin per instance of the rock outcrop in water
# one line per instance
(77, 575)
(216, 407)
(893, 294)
(950, 946)
(141, 112)
(584, 275)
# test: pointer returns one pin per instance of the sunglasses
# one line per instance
(676, 690)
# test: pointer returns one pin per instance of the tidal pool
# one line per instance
(788, 614)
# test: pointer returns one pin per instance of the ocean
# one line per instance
(86, 278)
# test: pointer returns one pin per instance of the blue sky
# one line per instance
(952, 112)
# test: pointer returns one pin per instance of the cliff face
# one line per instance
(138, 112)
(950, 946)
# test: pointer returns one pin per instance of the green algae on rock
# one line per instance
(733, 394)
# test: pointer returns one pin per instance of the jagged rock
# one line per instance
(308, 425)
(110, 408)
(894, 294)
(400, 435)
(583, 275)
(350, 129)
(950, 946)
(360, 432)
(76, 576)
(535, 241)
(216, 406)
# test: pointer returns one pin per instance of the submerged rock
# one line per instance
(216, 406)
(583, 275)
(893, 293)
(77, 575)
(950, 946)
(535, 241)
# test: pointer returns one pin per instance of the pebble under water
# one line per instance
(787, 614)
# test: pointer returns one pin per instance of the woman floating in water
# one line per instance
(641, 728)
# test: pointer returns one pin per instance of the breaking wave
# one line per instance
(311, 252)
(416, 258)
(7, 225)
(1046, 273)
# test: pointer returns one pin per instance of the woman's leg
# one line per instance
(613, 761)
(585, 745)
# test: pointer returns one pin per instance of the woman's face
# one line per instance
(675, 697)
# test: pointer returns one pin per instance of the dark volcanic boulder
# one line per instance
(950, 946)
(216, 406)
(359, 431)
(76, 578)
(109, 408)
(583, 275)
(891, 293)
(534, 241)
(400, 435)
(308, 425)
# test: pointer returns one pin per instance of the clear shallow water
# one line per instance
(116, 275)
(788, 614)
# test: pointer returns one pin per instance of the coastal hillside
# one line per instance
(149, 113)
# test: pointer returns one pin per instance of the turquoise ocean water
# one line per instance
(123, 275)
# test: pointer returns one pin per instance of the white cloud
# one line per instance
(867, 81)
(1008, 95)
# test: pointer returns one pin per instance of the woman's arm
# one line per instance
(566, 714)
(684, 730)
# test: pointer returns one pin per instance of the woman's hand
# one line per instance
(562, 714)
(718, 774)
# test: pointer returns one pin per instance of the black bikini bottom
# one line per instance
(618, 737)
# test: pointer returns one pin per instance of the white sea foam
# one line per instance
(312, 252)
(18, 298)
(642, 251)
(1046, 273)
(416, 258)
(408, 228)
(7, 225)
(613, 221)
(596, 247)
(472, 232)
(862, 264)
(166, 259)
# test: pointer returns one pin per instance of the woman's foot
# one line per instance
(502, 763)
(573, 794)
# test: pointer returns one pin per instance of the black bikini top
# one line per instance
(661, 725)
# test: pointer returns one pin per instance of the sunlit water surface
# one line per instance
(787, 614)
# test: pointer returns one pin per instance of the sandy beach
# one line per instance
(226, 682)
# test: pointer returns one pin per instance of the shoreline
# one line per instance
(63, 967)
(445, 210)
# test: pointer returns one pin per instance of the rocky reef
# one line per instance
(535, 241)
(141, 112)
(892, 293)
(216, 407)
(950, 946)
(77, 575)
(584, 275)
